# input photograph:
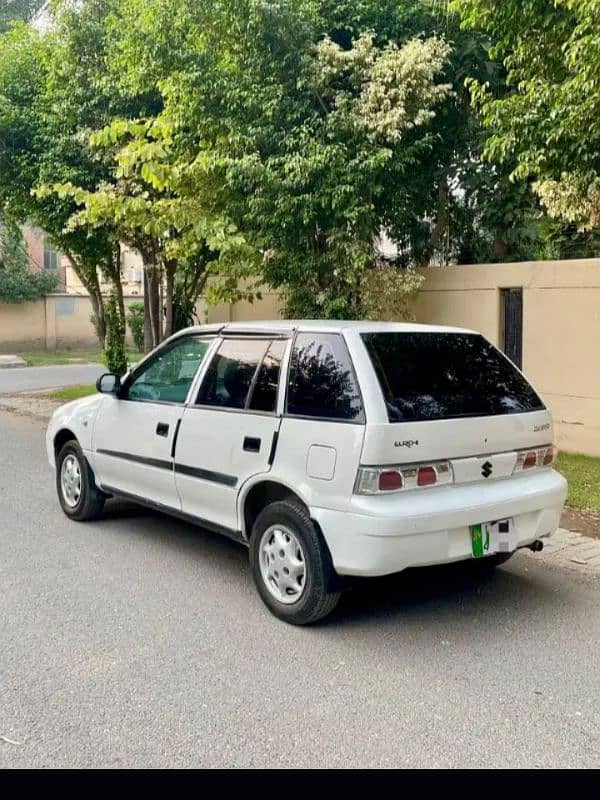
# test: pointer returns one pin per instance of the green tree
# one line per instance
(545, 122)
(135, 320)
(307, 137)
(41, 118)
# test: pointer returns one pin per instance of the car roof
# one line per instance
(320, 325)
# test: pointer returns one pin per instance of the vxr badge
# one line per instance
(487, 469)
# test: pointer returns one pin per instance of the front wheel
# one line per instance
(78, 494)
(291, 565)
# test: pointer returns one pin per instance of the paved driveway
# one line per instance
(139, 641)
(21, 380)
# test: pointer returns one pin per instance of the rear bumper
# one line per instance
(379, 535)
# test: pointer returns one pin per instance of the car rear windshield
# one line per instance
(446, 375)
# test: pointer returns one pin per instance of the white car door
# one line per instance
(228, 431)
(134, 432)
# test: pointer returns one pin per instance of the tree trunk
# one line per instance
(169, 287)
(152, 328)
(88, 275)
(118, 284)
(440, 229)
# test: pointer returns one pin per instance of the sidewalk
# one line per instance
(573, 550)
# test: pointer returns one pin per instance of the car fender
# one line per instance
(260, 477)
(79, 417)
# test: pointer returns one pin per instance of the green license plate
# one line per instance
(480, 540)
(493, 537)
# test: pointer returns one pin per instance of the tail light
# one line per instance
(379, 480)
(537, 457)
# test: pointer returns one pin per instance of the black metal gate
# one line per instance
(512, 316)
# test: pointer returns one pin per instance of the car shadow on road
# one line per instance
(439, 592)
(185, 537)
(446, 593)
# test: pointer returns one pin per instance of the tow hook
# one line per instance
(536, 546)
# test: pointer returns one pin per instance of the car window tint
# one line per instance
(264, 394)
(169, 375)
(231, 372)
(427, 376)
(322, 382)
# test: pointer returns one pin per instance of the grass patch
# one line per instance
(583, 475)
(73, 392)
(46, 358)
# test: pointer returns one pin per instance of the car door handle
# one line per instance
(162, 429)
(251, 444)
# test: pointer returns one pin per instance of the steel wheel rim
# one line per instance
(282, 564)
(70, 480)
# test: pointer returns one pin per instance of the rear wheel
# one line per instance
(291, 565)
(78, 494)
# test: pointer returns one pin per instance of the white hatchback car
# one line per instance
(330, 449)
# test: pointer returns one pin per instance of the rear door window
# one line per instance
(322, 382)
(231, 373)
(427, 376)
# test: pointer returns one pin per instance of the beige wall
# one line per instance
(56, 322)
(561, 331)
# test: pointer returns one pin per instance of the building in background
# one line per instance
(43, 255)
(132, 278)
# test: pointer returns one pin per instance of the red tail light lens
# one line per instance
(543, 457)
(389, 480)
(550, 457)
(426, 476)
(373, 480)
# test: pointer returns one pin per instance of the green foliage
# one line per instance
(545, 125)
(390, 292)
(115, 355)
(135, 320)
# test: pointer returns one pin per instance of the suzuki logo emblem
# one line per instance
(487, 469)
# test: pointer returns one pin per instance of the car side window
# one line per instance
(264, 394)
(167, 377)
(231, 373)
(322, 382)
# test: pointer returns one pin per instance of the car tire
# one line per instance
(285, 538)
(78, 494)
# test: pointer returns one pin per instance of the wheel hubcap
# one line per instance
(70, 481)
(282, 564)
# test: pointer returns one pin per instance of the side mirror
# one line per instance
(108, 383)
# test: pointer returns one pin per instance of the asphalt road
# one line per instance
(22, 380)
(138, 641)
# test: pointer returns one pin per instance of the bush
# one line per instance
(135, 319)
(115, 356)
(20, 285)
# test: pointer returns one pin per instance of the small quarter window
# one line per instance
(231, 373)
(322, 382)
(264, 394)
